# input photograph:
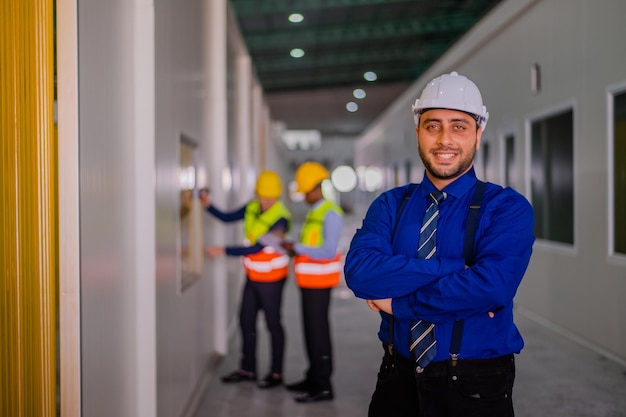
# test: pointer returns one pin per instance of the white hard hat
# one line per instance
(455, 92)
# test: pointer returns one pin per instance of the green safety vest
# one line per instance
(267, 265)
(256, 224)
(317, 273)
(312, 233)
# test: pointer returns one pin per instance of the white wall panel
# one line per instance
(146, 347)
(116, 267)
(185, 335)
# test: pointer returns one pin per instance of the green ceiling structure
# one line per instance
(341, 39)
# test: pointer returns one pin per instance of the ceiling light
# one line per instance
(344, 178)
(370, 178)
(295, 18)
(370, 76)
(302, 138)
(359, 93)
(297, 53)
(352, 107)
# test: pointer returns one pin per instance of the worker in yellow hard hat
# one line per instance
(266, 222)
(317, 267)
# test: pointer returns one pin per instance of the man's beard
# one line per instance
(450, 172)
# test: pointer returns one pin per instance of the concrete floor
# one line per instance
(555, 376)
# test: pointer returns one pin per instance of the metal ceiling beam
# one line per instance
(246, 8)
(362, 32)
(336, 78)
(422, 51)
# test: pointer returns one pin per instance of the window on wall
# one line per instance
(408, 167)
(396, 175)
(552, 173)
(512, 177)
(619, 172)
(486, 161)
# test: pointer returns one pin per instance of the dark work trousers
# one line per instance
(266, 296)
(472, 387)
(315, 305)
(396, 391)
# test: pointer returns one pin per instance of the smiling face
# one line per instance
(447, 141)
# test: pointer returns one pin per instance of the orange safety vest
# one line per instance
(317, 273)
(266, 265)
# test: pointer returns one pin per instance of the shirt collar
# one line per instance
(317, 203)
(456, 189)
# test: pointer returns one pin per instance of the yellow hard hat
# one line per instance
(268, 185)
(309, 175)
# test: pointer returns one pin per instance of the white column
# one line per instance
(144, 206)
(257, 124)
(243, 138)
(69, 208)
(267, 157)
(215, 152)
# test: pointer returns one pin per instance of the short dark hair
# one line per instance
(476, 117)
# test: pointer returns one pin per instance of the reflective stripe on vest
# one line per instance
(316, 273)
(266, 266)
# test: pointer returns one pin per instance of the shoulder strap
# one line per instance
(468, 255)
(406, 197)
(401, 209)
(472, 222)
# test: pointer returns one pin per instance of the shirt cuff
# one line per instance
(401, 309)
(299, 248)
(272, 241)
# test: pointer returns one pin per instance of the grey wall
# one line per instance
(185, 337)
(149, 72)
(116, 128)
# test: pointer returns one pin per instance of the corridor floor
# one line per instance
(555, 376)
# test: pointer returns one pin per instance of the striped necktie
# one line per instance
(423, 344)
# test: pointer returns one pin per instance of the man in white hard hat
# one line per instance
(441, 261)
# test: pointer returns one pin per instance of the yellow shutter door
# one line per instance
(28, 210)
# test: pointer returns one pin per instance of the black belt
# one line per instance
(401, 360)
(442, 368)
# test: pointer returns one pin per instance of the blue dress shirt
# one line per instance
(442, 289)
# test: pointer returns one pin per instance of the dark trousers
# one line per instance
(473, 387)
(315, 305)
(396, 392)
(266, 296)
